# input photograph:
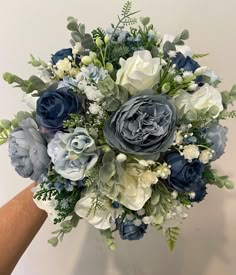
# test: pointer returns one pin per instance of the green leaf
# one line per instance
(106, 172)
(112, 104)
(108, 238)
(184, 35)
(168, 46)
(199, 55)
(108, 157)
(72, 25)
(53, 241)
(171, 235)
(233, 91)
(145, 20)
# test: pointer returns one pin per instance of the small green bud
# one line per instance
(229, 184)
(109, 67)
(145, 20)
(53, 241)
(93, 55)
(86, 60)
(106, 39)
(9, 78)
(99, 42)
(113, 246)
(97, 63)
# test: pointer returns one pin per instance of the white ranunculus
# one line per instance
(98, 217)
(204, 98)
(184, 49)
(48, 206)
(139, 72)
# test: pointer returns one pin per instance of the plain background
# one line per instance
(208, 239)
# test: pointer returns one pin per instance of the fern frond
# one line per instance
(126, 9)
(225, 115)
(119, 51)
(99, 32)
(200, 55)
(129, 21)
(171, 235)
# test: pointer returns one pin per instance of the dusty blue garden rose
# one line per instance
(73, 153)
(129, 231)
(28, 151)
(60, 55)
(54, 106)
(217, 136)
(144, 125)
(186, 176)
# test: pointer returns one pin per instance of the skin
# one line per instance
(20, 220)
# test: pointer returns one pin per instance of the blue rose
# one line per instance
(186, 176)
(129, 231)
(53, 107)
(60, 55)
(185, 63)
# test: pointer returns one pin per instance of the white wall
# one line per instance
(208, 239)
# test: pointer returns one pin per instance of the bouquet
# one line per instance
(124, 127)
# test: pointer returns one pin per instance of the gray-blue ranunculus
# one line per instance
(28, 151)
(217, 135)
(73, 153)
(144, 125)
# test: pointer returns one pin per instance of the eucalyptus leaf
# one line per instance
(108, 157)
(184, 35)
(168, 46)
(112, 104)
(107, 171)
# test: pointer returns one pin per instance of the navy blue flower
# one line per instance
(54, 106)
(186, 176)
(130, 231)
(185, 63)
(60, 55)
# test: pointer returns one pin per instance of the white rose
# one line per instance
(99, 217)
(184, 49)
(139, 72)
(48, 206)
(204, 98)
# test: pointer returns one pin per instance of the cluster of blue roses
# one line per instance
(123, 129)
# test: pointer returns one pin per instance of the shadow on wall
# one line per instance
(197, 247)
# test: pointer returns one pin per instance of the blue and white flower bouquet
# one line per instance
(124, 128)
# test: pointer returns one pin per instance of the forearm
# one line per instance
(20, 220)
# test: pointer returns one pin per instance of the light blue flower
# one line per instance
(73, 153)
(92, 72)
(67, 82)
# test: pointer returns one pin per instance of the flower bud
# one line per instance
(107, 39)
(86, 60)
(121, 157)
(99, 42)
(109, 67)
